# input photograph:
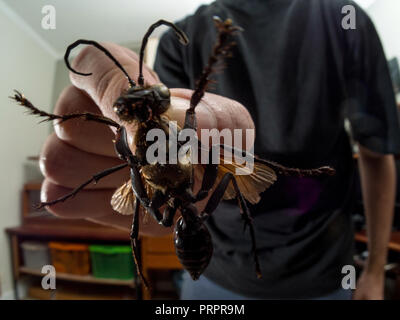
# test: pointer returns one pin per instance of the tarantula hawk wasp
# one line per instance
(153, 185)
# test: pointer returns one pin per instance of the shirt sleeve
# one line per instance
(371, 105)
(169, 63)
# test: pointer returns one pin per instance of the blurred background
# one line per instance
(31, 61)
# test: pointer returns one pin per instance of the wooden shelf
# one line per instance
(45, 227)
(33, 186)
(71, 232)
(156, 253)
(394, 243)
(79, 278)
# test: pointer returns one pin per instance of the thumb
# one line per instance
(213, 112)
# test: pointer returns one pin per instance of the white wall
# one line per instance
(27, 66)
(386, 16)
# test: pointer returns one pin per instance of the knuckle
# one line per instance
(64, 104)
(49, 162)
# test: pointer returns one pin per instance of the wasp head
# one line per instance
(143, 103)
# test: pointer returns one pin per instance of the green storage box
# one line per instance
(113, 262)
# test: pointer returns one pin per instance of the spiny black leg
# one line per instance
(221, 50)
(282, 169)
(210, 175)
(181, 36)
(97, 177)
(326, 170)
(215, 199)
(157, 200)
(101, 48)
(121, 146)
(134, 242)
(19, 97)
(169, 213)
(138, 186)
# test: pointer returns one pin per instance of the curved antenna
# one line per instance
(180, 34)
(101, 48)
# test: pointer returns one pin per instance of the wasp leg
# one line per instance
(215, 199)
(169, 213)
(134, 242)
(210, 175)
(157, 200)
(326, 170)
(96, 178)
(221, 50)
(287, 171)
(19, 97)
(138, 186)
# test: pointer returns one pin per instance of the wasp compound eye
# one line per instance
(163, 98)
(124, 112)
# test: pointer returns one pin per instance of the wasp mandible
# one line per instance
(154, 185)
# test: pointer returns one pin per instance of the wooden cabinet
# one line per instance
(69, 232)
(157, 253)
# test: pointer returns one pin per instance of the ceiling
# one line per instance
(120, 21)
(365, 3)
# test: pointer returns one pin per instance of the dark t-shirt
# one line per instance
(300, 74)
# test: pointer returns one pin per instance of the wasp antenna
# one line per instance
(101, 48)
(180, 34)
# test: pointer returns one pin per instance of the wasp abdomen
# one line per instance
(193, 247)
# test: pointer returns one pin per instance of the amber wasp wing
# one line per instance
(251, 183)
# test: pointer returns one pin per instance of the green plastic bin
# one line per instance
(113, 262)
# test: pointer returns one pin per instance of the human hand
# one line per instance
(370, 286)
(78, 149)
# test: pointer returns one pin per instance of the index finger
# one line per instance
(107, 82)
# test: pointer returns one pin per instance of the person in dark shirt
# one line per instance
(299, 74)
